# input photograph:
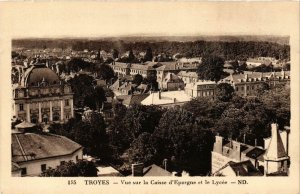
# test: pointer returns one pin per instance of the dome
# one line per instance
(37, 74)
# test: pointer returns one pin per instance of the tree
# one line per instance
(99, 97)
(115, 53)
(137, 79)
(224, 92)
(278, 101)
(131, 56)
(106, 72)
(179, 137)
(211, 68)
(148, 56)
(71, 169)
(142, 150)
(82, 86)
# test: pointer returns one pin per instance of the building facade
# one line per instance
(247, 84)
(41, 97)
(201, 89)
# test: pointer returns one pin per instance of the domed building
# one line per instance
(41, 97)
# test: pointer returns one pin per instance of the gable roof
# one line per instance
(155, 170)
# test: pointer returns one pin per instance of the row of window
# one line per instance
(241, 88)
(44, 105)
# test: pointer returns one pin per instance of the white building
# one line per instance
(167, 99)
(41, 97)
(32, 152)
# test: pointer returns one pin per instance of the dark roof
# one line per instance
(38, 73)
(255, 153)
(32, 146)
(244, 168)
(155, 170)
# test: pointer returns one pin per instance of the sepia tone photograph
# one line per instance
(188, 95)
(151, 106)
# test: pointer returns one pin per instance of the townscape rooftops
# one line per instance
(129, 100)
(32, 146)
(255, 75)
(250, 151)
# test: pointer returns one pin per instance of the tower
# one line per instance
(276, 158)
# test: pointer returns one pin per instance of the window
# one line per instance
(66, 102)
(23, 171)
(76, 158)
(237, 88)
(62, 162)
(21, 107)
(43, 167)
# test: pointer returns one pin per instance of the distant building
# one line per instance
(247, 84)
(121, 69)
(188, 76)
(234, 158)
(167, 99)
(172, 82)
(257, 62)
(201, 89)
(41, 97)
(144, 70)
(34, 152)
(172, 67)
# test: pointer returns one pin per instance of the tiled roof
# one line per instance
(32, 146)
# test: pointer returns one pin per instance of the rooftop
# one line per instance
(169, 97)
(32, 146)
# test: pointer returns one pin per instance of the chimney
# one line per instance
(165, 162)
(255, 142)
(218, 145)
(159, 94)
(236, 146)
(137, 169)
(244, 137)
(246, 77)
